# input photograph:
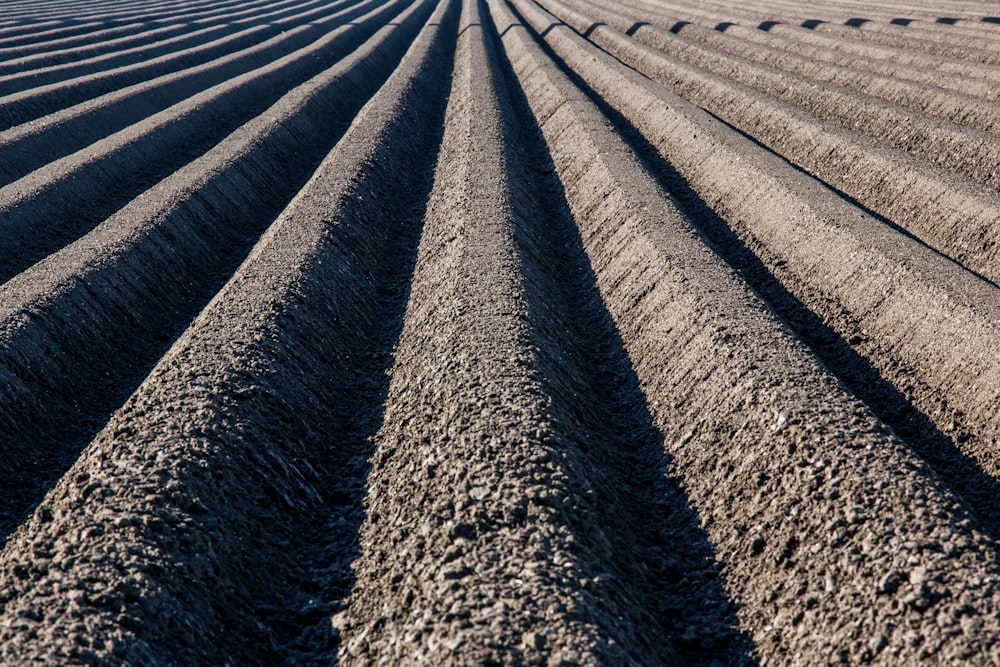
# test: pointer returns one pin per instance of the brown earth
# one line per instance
(499, 332)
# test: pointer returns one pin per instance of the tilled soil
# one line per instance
(500, 332)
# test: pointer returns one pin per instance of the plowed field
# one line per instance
(499, 332)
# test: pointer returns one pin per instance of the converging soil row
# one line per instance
(527, 332)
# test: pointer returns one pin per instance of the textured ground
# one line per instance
(499, 332)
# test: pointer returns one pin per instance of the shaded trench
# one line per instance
(962, 474)
(663, 561)
(78, 404)
(278, 564)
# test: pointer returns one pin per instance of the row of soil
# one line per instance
(187, 531)
(929, 91)
(928, 325)
(419, 331)
(750, 186)
(67, 124)
(938, 39)
(946, 211)
(146, 38)
(84, 325)
(48, 89)
(517, 509)
(70, 15)
(56, 203)
(885, 21)
(765, 56)
(817, 44)
(889, 171)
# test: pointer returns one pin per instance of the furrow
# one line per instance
(35, 78)
(918, 88)
(37, 20)
(936, 41)
(180, 15)
(67, 13)
(55, 204)
(848, 14)
(84, 28)
(232, 544)
(146, 30)
(846, 8)
(954, 215)
(154, 11)
(499, 332)
(61, 32)
(284, 13)
(73, 14)
(927, 325)
(852, 26)
(963, 100)
(101, 41)
(802, 491)
(37, 26)
(17, 78)
(907, 22)
(799, 37)
(506, 509)
(200, 12)
(29, 146)
(82, 327)
(30, 104)
(809, 84)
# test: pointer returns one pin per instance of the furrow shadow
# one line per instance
(31, 146)
(110, 305)
(662, 555)
(246, 552)
(960, 472)
(52, 207)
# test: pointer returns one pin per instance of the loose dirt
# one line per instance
(500, 332)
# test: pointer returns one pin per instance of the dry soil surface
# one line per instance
(499, 332)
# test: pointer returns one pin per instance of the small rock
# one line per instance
(877, 644)
(890, 582)
(971, 625)
(340, 620)
(533, 641)
(456, 570)
(919, 598)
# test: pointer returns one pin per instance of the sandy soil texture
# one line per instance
(499, 332)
